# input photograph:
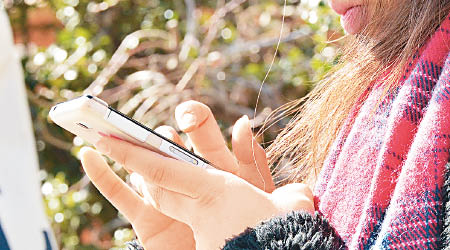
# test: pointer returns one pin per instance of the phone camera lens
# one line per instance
(82, 125)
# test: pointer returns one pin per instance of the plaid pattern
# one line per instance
(381, 185)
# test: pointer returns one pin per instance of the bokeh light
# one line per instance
(144, 58)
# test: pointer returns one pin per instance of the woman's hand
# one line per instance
(248, 159)
(158, 231)
(215, 204)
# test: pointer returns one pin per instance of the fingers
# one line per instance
(160, 198)
(168, 173)
(197, 120)
(167, 202)
(170, 133)
(170, 203)
(109, 184)
(251, 158)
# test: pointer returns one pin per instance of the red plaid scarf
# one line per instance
(381, 185)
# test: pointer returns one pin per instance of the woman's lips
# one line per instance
(351, 20)
(341, 7)
(351, 8)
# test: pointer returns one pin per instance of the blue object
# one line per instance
(3, 242)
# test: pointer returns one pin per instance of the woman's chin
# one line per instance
(352, 20)
(351, 29)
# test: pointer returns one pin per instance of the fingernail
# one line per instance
(102, 134)
(102, 147)
(116, 137)
(188, 120)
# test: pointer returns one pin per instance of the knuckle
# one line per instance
(115, 189)
(156, 175)
(207, 200)
(100, 176)
(210, 196)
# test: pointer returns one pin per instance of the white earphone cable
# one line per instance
(260, 89)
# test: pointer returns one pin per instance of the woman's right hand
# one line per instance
(158, 231)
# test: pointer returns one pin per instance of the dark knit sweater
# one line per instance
(296, 230)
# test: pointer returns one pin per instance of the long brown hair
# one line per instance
(396, 31)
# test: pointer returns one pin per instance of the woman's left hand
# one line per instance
(215, 204)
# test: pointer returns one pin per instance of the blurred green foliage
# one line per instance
(146, 56)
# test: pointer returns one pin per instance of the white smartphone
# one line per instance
(89, 117)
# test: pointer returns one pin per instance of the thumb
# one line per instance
(295, 196)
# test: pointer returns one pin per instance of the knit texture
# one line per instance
(134, 245)
(445, 236)
(296, 230)
(381, 185)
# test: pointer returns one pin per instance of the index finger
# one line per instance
(198, 122)
(168, 173)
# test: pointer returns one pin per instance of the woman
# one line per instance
(377, 128)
